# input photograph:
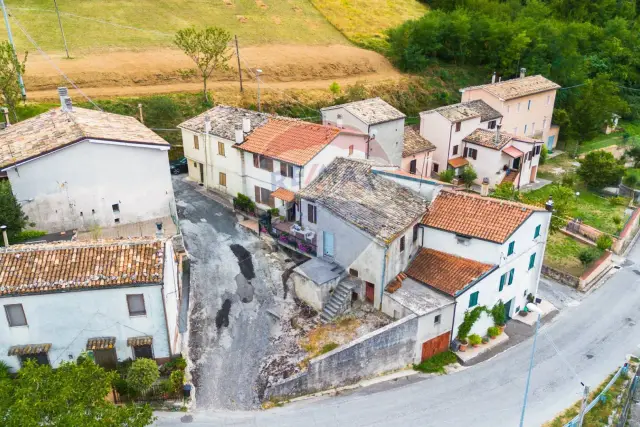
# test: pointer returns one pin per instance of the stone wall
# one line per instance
(627, 234)
(560, 276)
(386, 349)
(596, 271)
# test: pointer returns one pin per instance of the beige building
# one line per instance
(525, 103)
(417, 153)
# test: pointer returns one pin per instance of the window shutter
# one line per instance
(270, 165)
(257, 193)
(310, 213)
(537, 232)
(283, 169)
(503, 279)
(511, 273)
(532, 261)
(256, 161)
(475, 154)
(465, 152)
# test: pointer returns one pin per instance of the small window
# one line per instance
(196, 142)
(286, 169)
(436, 319)
(353, 272)
(529, 105)
(473, 299)
(532, 261)
(220, 148)
(533, 128)
(455, 150)
(116, 220)
(525, 129)
(351, 150)
(402, 244)
(136, 305)
(413, 166)
(511, 274)
(39, 358)
(195, 164)
(311, 213)
(471, 152)
(223, 179)
(143, 351)
(436, 167)
(537, 232)
(458, 126)
(116, 208)
(491, 125)
(15, 315)
(415, 232)
(524, 294)
(512, 248)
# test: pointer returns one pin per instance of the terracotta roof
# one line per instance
(447, 273)
(19, 350)
(513, 152)
(56, 129)
(516, 88)
(138, 341)
(476, 216)
(64, 266)
(223, 121)
(415, 143)
(284, 194)
(101, 343)
(292, 141)
(458, 162)
(370, 111)
(467, 110)
(378, 206)
(487, 138)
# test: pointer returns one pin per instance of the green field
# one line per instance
(562, 254)
(254, 21)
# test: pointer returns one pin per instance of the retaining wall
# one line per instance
(389, 348)
(560, 276)
(628, 233)
(597, 270)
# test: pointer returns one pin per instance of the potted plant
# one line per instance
(485, 339)
(523, 312)
(475, 340)
(499, 315)
(493, 332)
(463, 344)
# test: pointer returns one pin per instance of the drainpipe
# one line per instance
(384, 271)
(453, 321)
(368, 141)
(446, 166)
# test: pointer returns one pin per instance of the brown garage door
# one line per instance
(435, 345)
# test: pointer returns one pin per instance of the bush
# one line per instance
(617, 219)
(28, 235)
(587, 256)
(436, 363)
(506, 191)
(498, 314)
(475, 339)
(142, 374)
(493, 331)
(244, 203)
(568, 179)
(470, 317)
(328, 347)
(177, 381)
(617, 201)
(177, 364)
(604, 242)
(447, 175)
(599, 169)
(468, 176)
(630, 180)
(275, 212)
(543, 155)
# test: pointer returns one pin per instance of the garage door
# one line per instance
(435, 345)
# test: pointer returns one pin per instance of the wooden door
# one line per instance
(106, 358)
(534, 171)
(435, 345)
(370, 292)
(201, 173)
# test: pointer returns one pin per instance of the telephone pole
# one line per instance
(239, 67)
(64, 39)
(583, 406)
(13, 47)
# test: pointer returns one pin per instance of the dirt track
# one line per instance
(128, 73)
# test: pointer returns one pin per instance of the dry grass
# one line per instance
(323, 337)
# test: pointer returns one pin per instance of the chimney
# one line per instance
(246, 124)
(498, 127)
(523, 72)
(4, 236)
(484, 190)
(65, 100)
(549, 205)
(159, 231)
(5, 111)
(493, 78)
(339, 122)
(239, 134)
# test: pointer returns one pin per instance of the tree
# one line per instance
(634, 155)
(208, 48)
(506, 191)
(563, 203)
(10, 66)
(142, 374)
(599, 169)
(468, 176)
(11, 213)
(71, 395)
(446, 175)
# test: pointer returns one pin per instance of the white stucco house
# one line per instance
(113, 299)
(374, 117)
(74, 168)
(417, 153)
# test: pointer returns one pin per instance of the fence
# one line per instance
(622, 421)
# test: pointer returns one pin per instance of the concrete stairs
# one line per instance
(337, 304)
(511, 177)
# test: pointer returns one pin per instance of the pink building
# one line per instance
(417, 153)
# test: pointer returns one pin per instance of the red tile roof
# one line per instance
(513, 152)
(447, 273)
(458, 162)
(476, 216)
(292, 141)
(284, 194)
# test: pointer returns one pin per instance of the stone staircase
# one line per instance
(338, 302)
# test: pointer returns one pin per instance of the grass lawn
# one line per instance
(594, 210)
(254, 21)
(563, 161)
(365, 21)
(562, 254)
(602, 141)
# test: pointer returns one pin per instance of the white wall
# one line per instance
(69, 184)
(339, 147)
(476, 249)
(172, 296)
(428, 330)
(426, 188)
(424, 163)
(68, 319)
(488, 164)
(526, 168)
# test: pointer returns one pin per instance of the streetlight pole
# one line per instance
(258, 72)
(13, 47)
(531, 307)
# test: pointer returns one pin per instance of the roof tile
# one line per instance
(415, 143)
(371, 111)
(515, 88)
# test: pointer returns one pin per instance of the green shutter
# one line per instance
(511, 275)
(512, 246)
(473, 299)
(503, 279)
(537, 233)
(532, 261)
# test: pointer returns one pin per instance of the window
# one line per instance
(529, 105)
(223, 179)
(533, 128)
(544, 124)
(548, 99)
(353, 272)
(537, 232)
(524, 294)
(436, 167)
(15, 315)
(402, 244)
(532, 261)
(458, 126)
(39, 358)
(195, 164)
(455, 150)
(473, 299)
(491, 125)
(351, 150)
(196, 142)
(525, 129)
(512, 248)
(436, 319)
(220, 148)
(143, 351)
(286, 169)
(415, 232)
(472, 152)
(503, 280)
(116, 208)
(117, 220)
(262, 195)
(413, 168)
(136, 305)
(511, 273)
(262, 162)
(312, 213)
(538, 148)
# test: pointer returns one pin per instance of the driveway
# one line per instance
(585, 342)
(235, 282)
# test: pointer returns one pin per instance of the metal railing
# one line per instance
(292, 240)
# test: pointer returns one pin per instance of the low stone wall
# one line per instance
(386, 349)
(560, 276)
(597, 269)
(628, 233)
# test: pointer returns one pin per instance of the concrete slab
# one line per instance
(319, 271)
(555, 153)
(530, 319)
(137, 229)
(539, 183)
(471, 353)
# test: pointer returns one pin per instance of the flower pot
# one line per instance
(463, 347)
(493, 338)
(501, 327)
(475, 345)
(523, 313)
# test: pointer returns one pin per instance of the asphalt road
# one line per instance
(591, 339)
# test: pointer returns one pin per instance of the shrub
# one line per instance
(587, 256)
(436, 363)
(328, 347)
(243, 202)
(470, 317)
(617, 201)
(617, 219)
(630, 180)
(176, 380)
(493, 331)
(142, 374)
(568, 179)
(275, 212)
(335, 88)
(543, 155)
(468, 175)
(506, 191)
(28, 235)
(447, 175)
(475, 339)
(498, 314)
(604, 242)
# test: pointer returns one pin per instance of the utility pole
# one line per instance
(239, 67)
(583, 406)
(531, 307)
(258, 72)
(13, 47)
(64, 39)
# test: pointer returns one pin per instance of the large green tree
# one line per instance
(599, 169)
(10, 67)
(11, 213)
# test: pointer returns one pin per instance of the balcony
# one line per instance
(290, 235)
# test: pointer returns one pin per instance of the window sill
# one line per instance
(19, 326)
(138, 315)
